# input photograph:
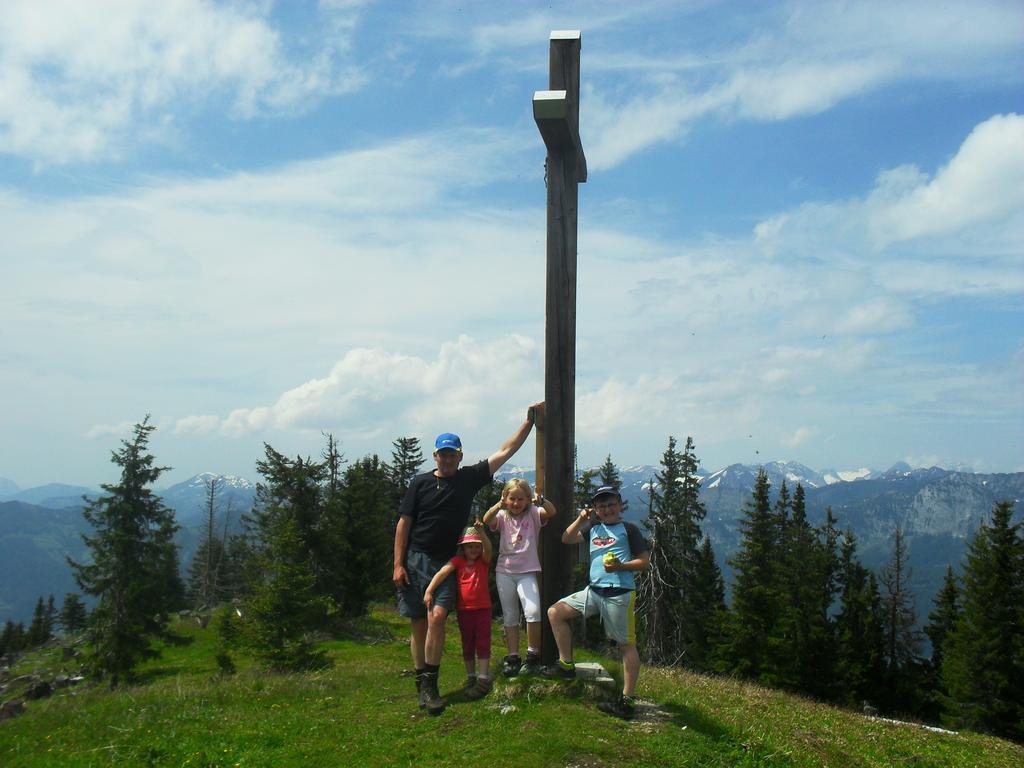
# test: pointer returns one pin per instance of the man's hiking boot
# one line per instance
(432, 701)
(532, 665)
(559, 671)
(621, 706)
(510, 665)
(481, 689)
(420, 693)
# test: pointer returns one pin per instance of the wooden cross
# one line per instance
(557, 114)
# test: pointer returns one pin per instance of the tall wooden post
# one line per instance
(556, 112)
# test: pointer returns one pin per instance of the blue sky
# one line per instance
(801, 236)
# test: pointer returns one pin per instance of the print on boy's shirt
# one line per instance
(604, 541)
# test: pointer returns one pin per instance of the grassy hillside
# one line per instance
(362, 712)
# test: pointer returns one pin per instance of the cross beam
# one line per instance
(556, 112)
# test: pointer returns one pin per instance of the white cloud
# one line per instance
(120, 429)
(880, 315)
(794, 90)
(82, 81)
(617, 404)
(984, 182)
(376, 390)
(955, 232)
(799, 437)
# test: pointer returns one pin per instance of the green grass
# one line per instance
(363, 712)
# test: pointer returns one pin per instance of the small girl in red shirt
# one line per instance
(471, 566)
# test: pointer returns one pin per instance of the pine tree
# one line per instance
(207, 587)
(709, 610)
(366, 505)
(755, 606)
(608, 474)
(899, 621)
(943, 617)
(777, 660)
(983, 668)
(295, 489)
(285, 606)
(37, 634)
(860, 655)
(72, 614)
(671, 608)
(49, 618)
(133, 569)
(13, 638)
(406, 460)
(941, 621)
(805, 641)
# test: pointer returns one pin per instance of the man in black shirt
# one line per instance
(433, 513)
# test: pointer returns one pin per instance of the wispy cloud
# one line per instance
(84, 81)
(371, 391)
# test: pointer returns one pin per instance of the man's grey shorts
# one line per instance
(420, 568)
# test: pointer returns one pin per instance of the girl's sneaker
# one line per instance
(532, 665)
(510, 666)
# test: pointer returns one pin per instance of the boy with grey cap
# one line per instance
(432, 515)
(617, 551)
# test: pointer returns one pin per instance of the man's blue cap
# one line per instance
(448, 440)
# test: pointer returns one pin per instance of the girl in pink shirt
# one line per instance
(519, 517)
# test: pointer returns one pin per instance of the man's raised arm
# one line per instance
(514, 443)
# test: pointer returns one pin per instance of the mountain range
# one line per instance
(938, 509)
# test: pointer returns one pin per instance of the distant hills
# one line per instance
(938, 509)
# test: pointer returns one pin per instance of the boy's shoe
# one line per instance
(559, 671)
(510, 666)
(431, 699)
(622, 706)
(481, 689)
(470, 683)
(532, 665)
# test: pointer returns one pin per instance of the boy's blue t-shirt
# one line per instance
(625, 541)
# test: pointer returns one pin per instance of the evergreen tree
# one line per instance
(13, 638)
(297, 489)
(777, 660)
(406, 460)
(37, 629)
(941, 621)
(671, 608)
(943, 617)
(367, 509)
(285, 606)
(608, 474)
(899, 624)
(708, 603)
(72, 614)
(983, 668)
(49, 618)
(133, 569)
(804, 655)
(860, 655)
(755, 606)
(206, 584)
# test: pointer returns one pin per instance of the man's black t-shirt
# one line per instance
(440, 507)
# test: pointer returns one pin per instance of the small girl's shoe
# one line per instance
(481, 689)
